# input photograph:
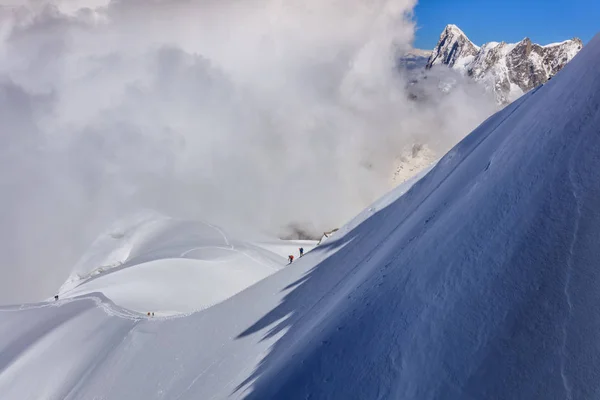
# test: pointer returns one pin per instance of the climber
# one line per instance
(301, 251)
(290, 259)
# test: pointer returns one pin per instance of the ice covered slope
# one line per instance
(506, 69)
(481, 282)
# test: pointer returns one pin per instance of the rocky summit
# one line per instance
(507, 69)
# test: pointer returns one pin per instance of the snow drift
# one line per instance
(478, 282)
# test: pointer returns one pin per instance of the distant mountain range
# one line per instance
(507, 69)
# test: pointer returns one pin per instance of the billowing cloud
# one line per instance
(252, 114)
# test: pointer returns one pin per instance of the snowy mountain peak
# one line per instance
(452, 29)
(452, 48)
(576, 40)
(507, 69)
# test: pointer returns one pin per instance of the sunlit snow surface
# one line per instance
(479, 282)
(151, 263)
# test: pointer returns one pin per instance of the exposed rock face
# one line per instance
(453, 49)
(509, 70)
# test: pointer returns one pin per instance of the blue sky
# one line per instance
(544, 21)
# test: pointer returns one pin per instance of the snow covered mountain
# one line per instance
(479, 280)
(508, 69)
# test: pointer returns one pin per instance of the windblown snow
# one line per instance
(478, 281)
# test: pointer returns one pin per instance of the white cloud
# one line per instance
(255, 113)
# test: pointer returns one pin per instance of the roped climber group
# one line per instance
(291, 257)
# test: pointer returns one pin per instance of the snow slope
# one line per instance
(150, 263)
(480, 282)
